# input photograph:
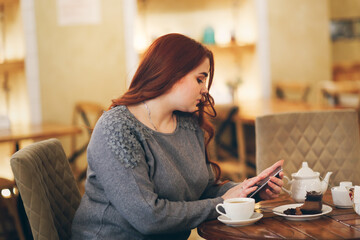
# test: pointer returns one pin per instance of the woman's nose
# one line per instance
(204, 90)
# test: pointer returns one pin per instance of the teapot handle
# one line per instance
(289, 182)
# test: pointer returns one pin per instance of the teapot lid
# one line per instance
(305, 171)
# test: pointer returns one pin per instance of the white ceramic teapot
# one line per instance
(306, 180)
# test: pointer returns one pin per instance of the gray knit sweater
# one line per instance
(143, 184)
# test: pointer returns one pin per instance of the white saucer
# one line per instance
(279, 211)
(236, 223)
(340, 206)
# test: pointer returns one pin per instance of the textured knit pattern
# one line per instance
(144, 184)
(121, 140)
(47, 187)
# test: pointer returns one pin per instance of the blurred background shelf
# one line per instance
(11, 66)
(6, 1)
(235, 45)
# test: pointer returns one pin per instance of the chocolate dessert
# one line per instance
(312, 205)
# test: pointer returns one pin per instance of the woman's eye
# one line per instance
(199, 80)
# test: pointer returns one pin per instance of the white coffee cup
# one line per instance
(340, 195)
(356, 199)
(237, 208)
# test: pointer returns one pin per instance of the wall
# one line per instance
(79, 62)
(158, 17)
(347, 50)
(344, 8)
(299, 41)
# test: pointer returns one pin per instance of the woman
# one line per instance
(149, 176)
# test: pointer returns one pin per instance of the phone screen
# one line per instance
(262, 183)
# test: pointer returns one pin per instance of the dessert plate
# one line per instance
(279, 211)
(236, 223)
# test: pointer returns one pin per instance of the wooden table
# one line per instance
(251, 109)
(17, 133)
(338, 224)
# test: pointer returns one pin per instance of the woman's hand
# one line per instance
(272, 190)
(242, 189)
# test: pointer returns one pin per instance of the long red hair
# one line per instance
(168, 59)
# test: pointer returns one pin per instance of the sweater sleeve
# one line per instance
(215, 190)
(130, 190)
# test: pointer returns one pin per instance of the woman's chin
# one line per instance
(192, 109)
(189, 108)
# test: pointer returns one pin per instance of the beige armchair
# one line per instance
(327, 140)
(47, 187)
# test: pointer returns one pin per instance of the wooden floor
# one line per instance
(194, 235)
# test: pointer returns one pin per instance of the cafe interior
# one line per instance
(62, 61)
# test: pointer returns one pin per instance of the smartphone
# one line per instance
(262, 183)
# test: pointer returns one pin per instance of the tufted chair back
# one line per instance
(327, 140)
(47, 187)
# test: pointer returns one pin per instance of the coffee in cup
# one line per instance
(237, 208)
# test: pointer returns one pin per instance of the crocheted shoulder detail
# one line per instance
(189, 122)
(123, 134)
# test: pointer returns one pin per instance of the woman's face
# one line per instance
(188, 91)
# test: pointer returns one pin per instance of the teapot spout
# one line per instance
(289, 183)
(325, 182)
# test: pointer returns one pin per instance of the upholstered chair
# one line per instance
(327, 140)
(47, 187)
